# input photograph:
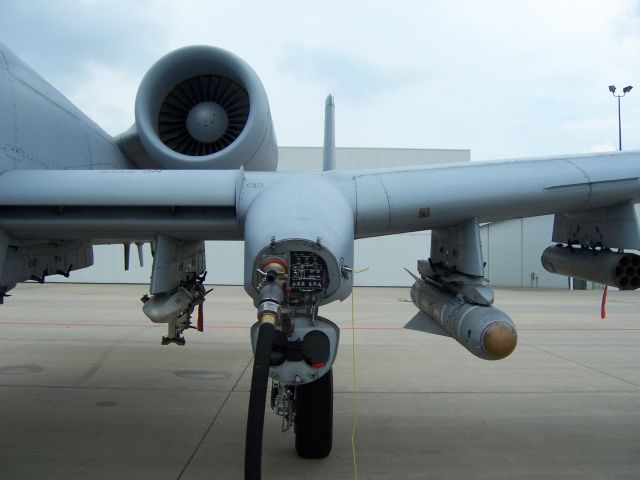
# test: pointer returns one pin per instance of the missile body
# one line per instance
(485, 331)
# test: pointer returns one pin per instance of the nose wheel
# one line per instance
(312, 410)
(314, 417)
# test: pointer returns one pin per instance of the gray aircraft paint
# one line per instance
(108, 198)
(300, 207)
(41, 129)
(255, 148)
(384, 201)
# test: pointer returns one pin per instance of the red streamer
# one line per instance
(200, 319)
(603, 312)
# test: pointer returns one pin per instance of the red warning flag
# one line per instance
(603, 312)
(200, 324)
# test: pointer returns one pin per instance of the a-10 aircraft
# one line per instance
(200, 164)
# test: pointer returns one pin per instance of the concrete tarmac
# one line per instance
(86, 391)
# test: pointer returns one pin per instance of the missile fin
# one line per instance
(424, 282)
(422, 323)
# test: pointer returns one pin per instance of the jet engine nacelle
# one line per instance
(485, 331)
(620, 270)
(201, 107)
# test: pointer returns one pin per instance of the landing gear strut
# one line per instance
(296, 348)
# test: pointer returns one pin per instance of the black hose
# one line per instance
(257, 401)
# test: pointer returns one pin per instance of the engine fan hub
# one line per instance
(207, 122)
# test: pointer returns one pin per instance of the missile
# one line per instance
(485, 331)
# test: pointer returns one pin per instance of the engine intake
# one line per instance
(203, 115)
(203, 108)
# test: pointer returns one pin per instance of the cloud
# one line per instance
(63, 35)
(113, 109)
(349, 76)
(504, 79)
(603, 147)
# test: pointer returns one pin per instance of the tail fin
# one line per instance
(329, 152)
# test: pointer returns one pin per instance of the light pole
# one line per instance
(625, 90)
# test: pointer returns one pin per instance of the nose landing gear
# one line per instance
(313, 413)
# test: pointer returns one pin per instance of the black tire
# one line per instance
(314, 417)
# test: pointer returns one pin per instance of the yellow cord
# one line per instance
(356, 407)
(356, 404)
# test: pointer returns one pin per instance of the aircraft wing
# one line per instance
(119, 205)
(420, 198)
(210, 204)
(117, 188)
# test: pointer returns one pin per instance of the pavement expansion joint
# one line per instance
(588, 367)
(213, 421)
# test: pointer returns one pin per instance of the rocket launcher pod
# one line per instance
(621, 270)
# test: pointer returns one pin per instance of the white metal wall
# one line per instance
(306, 159)
(512, 250)
(385, 256)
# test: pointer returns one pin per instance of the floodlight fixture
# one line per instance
(625, 90)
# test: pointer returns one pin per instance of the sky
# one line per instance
(505, 79)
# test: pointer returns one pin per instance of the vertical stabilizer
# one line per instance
(329, 152)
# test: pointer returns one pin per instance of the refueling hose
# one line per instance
(257, 402)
